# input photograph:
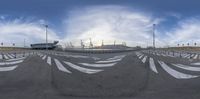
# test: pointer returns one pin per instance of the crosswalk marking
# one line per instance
(141, 56)
(49, 60)
(175, 73)
(98, 65)
(11, 63)
(85, 70)
(1, 57)
(12, 55)
(8, 68)
(5, 56)
(61, 67)
(109, 61)
(195, 57)
(144, 59)
(198, 63)
(9, 56)
(187, 67)
(43, 57)
(15, 59)
(152, 65)
(116, 57)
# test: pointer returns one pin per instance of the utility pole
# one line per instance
(46, 26)
(24, 43)
(82, 45)
(154, 27)
(91, 45)
(102, 43)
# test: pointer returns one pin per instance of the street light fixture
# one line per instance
(154, 26)
(46, 26)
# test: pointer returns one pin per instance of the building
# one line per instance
(43, 46)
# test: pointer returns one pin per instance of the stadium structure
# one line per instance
(42, 46)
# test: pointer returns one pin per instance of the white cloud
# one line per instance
(186, 31)
(110, 23)
(16, 30)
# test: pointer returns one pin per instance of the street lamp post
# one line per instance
(46, 26)
(154, 26)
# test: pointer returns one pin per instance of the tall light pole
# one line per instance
(46, 26)
(24, 43)
(154, 27)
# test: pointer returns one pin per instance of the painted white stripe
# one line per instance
(192, 55)
(10, 56)
(15, 59)
(141, 56)
(98, 65)
(5, 56)
(144, 59)
(61, 67)
(185, 55)
(152, 65)
(81, 69)
(11, 63)
(187, 67)
(116, 57)
(109, 61)
(175, 73)
(198, 63)
(49, 60)
(1, 57)
(10, 68)
(195, 57)
(44, 57)
(96, 58)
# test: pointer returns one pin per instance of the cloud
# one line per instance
(18, 29)
(109, 23)
(186, 31)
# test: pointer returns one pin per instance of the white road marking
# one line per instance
(144, 59)
(109, 61)
(61, 67)
(198, 63)
(187, 67)
(8, 68)
(195, 57)
(10, 56)
(175, 73)
(98, 65)
(44, 57)
(5, 56)
(141, 56)
(81, 69)
(49, 60)
(116, 57)
(15, 59)
(11, 63)
(152, 65)
(96, 58)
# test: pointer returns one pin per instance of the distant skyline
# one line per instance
(127, 21)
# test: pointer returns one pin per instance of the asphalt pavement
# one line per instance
(124, 75)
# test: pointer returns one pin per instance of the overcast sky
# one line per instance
(130, 21)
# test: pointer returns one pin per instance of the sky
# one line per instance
(130, 21)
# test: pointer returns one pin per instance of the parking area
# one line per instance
(144, 74)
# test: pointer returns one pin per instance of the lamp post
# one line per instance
(46, 26)
(154, 26)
